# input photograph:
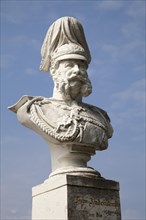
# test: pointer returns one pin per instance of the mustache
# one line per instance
(79, 77)
(85, 86)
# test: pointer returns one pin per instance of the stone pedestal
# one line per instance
(72, 197)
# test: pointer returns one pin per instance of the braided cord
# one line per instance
(38, 118)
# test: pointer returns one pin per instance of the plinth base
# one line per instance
(69, 197)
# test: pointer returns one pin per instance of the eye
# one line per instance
(68, 64)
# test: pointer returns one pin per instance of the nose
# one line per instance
(76, 69)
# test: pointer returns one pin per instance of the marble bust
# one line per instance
(72, 128)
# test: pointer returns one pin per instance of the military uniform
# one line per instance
(79, 123)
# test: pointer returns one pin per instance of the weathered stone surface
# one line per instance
(70, 197)
(74, 130)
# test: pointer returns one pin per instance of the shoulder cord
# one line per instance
(87, 119)
(38, 118)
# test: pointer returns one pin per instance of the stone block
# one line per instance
(69, 197)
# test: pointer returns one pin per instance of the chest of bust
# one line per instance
(77, 123)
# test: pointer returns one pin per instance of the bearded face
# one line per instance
(71, 79)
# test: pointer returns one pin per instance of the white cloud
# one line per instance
(132, 30)
(13, 18)
(10, 140)
(11, 54)
(110, 5)
(135, 93)
(112, 51)
(14, 12)
(30, 71)
(35, 43)
(13, 211)
(128, 51)
(128, 110)
(130, 214)
(6, 61)
(22, 40)
(13, 214)
(129, 44)
(136, 9)
(139, 69)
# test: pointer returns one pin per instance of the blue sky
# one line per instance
(115, 32)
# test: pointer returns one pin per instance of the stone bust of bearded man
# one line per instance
(64, 119)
